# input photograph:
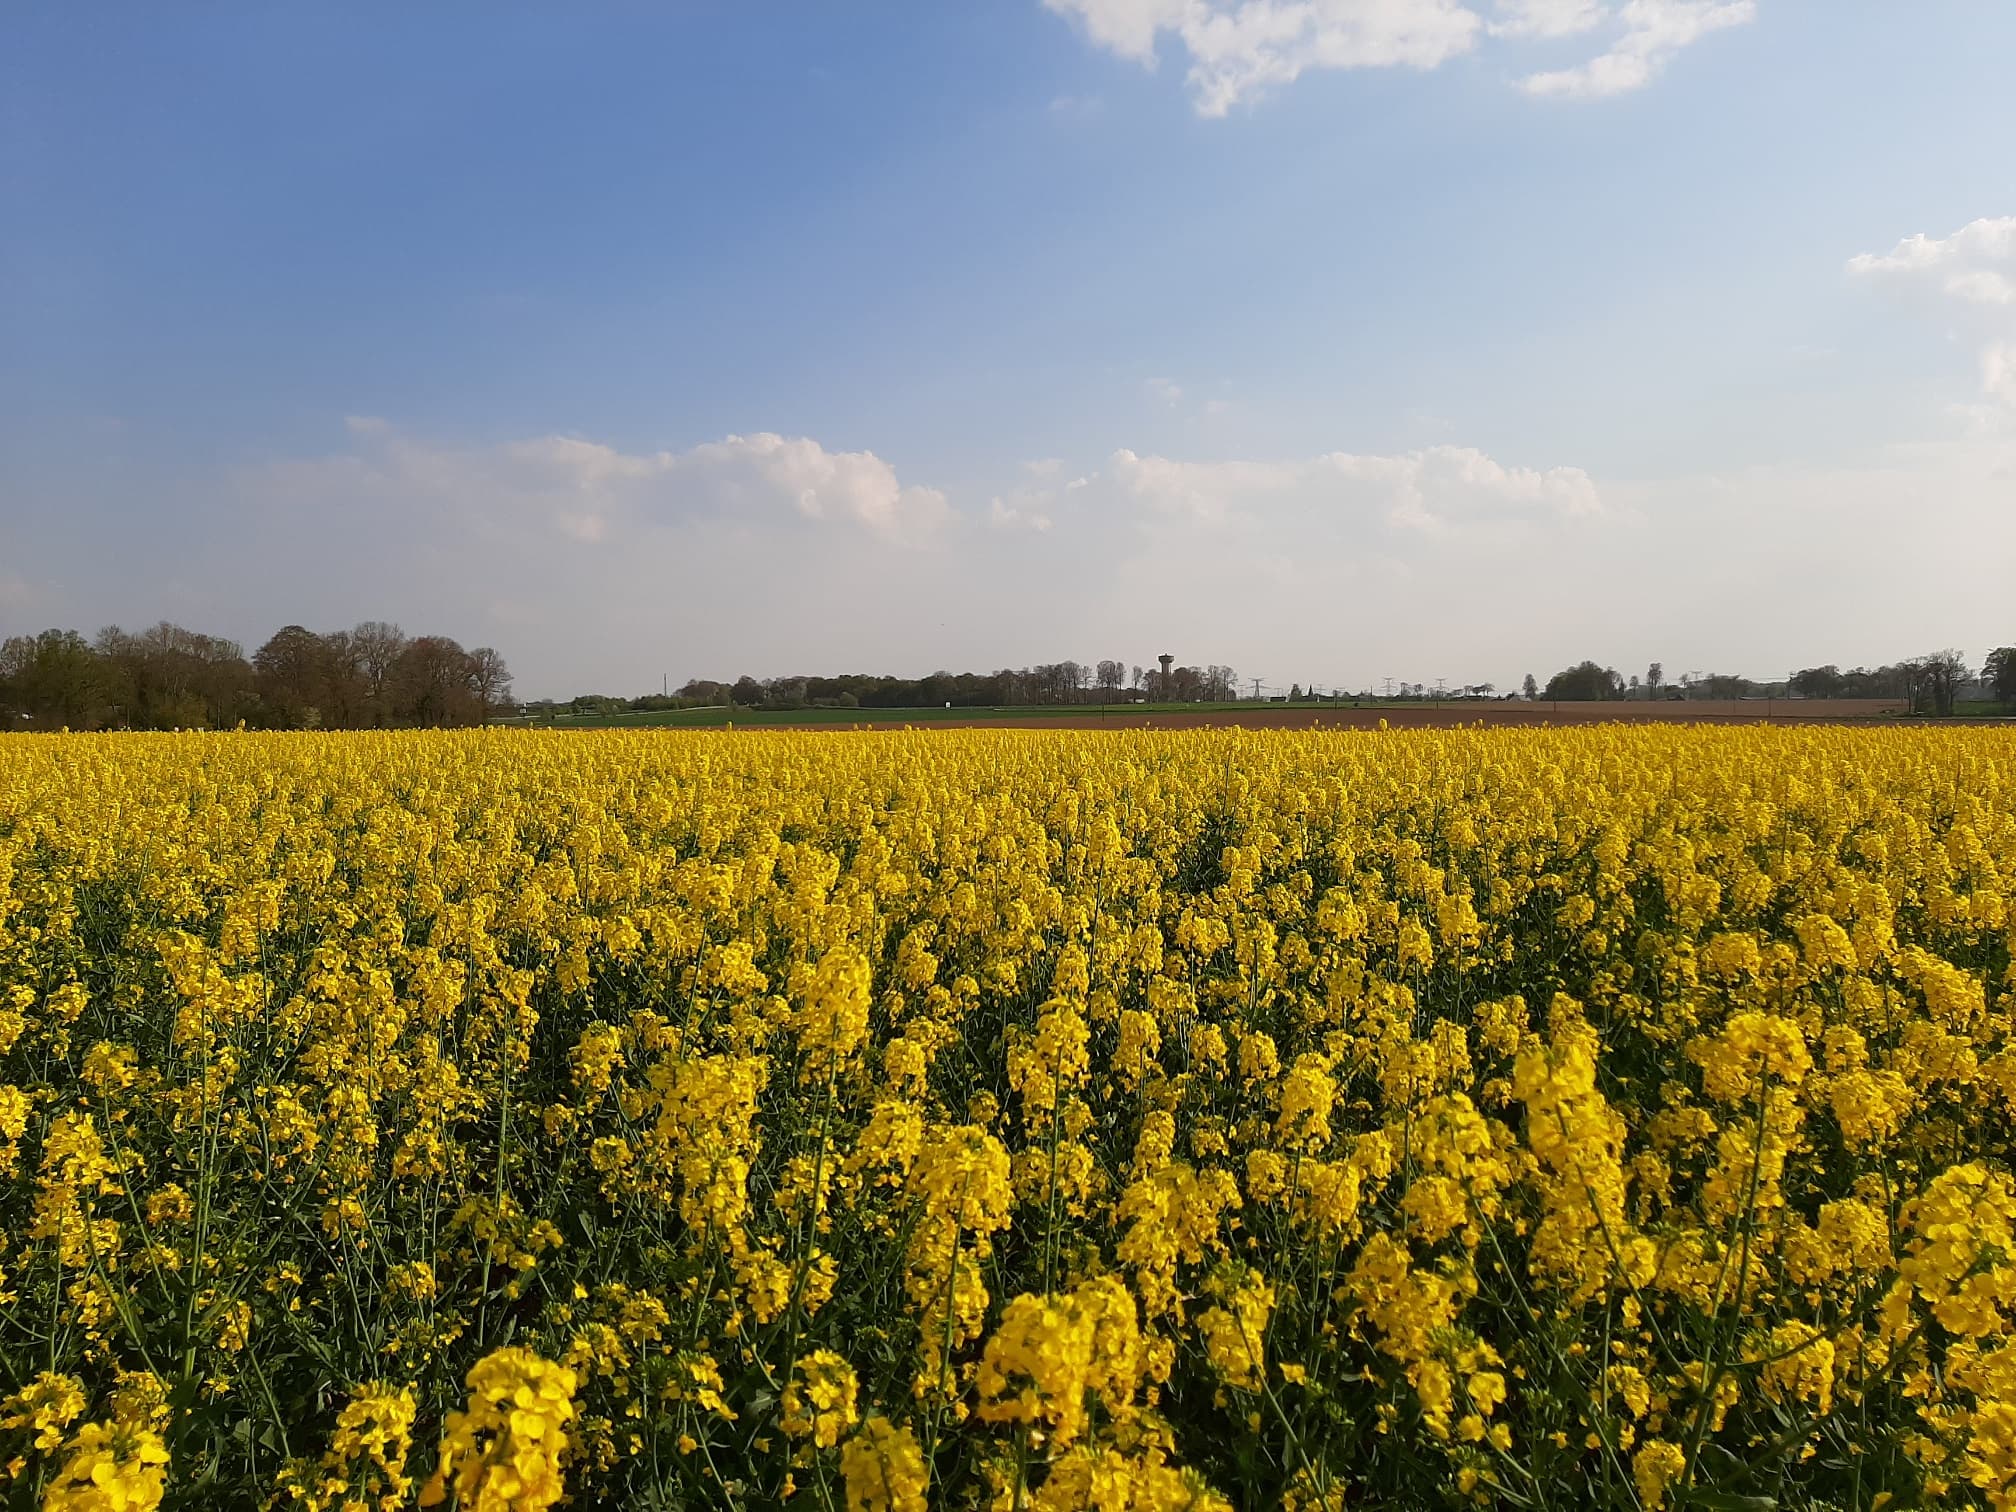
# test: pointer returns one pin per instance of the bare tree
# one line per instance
(1939, 677)
(377, 645)
(171, 678)
(489, 679)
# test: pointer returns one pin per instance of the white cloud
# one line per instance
(1165, 391)
(854, 486)
(1438, 490)
(586, 489)
(1973, 270)
(1240, 49)
(1653, 32)
(1976, 264)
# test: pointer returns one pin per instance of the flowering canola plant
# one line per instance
(1614, 1117)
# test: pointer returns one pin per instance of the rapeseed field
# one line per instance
(1616, 1117)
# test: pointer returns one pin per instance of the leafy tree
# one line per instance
(1584, 682)
(1819, 682)
(2000, 670)
(1655, 679)
(1529, 689)
(293, 668)
(1725, 685)
(55, 680)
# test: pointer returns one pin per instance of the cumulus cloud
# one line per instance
(587, 489)
(1437, 490)
(1973, 272)
(1238, 50)
(1976, 264)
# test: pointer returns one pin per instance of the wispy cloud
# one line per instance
(1436, 490)
(1653, 33)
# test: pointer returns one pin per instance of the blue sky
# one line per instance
(1333, 339)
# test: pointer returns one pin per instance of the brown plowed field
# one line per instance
(1448, 716)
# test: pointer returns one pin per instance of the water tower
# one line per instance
(1165, 658)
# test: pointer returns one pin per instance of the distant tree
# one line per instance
(345, 700)
(1634, 684)
(293, 669)
(1294, 692)
(747, 691)
(1529, 689)
(55, 680)
(167, 677)
(1111, 675)
(1655, 679)
(433, 684)
(1942, 672)
(1818, 682)
(2000, 671)
(489, 680)
(1584, 682)
(1136, 679)
(377, 645)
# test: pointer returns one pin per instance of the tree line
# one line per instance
(374, 676)
(1047, 683)
(1929, 684)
